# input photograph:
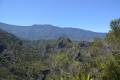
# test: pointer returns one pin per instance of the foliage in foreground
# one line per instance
(61, 59)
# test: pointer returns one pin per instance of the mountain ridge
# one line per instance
(47, 31)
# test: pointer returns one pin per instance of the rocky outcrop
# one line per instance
(77, 56)
(64, 42)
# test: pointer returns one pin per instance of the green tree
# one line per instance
(113, 37)
(96, 47)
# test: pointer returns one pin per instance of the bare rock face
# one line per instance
(77, 56)
(12, 56)
(64, 42)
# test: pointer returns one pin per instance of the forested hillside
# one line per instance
(61, 59)
(50, 32)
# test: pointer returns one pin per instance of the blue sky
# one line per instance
(92, 15)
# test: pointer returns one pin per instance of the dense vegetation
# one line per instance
(61, 59)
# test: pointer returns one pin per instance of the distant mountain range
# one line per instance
(48, 32)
